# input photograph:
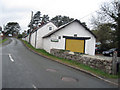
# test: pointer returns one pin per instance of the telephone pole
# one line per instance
(31, 25)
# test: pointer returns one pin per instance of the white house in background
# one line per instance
(73, 36)
(36, 36)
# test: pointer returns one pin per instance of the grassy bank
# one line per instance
(73, 63)
(2, 41)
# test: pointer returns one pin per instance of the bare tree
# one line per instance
(109, 13)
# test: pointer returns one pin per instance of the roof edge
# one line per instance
(43, 26)
(76, 20)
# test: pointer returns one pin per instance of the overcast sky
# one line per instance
(20, 10)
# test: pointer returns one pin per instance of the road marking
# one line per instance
(11, 57)
(34, 87)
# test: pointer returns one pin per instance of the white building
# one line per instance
(73, 36)
(36, 36)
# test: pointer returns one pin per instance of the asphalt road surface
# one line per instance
(22, 68)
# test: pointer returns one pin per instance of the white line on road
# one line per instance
(11, 57)
(34, 87)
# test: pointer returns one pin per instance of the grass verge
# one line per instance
(73, 63)
(2, 41)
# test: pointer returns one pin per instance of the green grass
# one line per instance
(2, 41)
(73, 63)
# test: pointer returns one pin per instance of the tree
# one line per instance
(45, 19)
(109, 13)
(24, 33)
(61, 20)
(104, 36)
(0, 28)
(36, 21)
(12, 28)
(19, 36)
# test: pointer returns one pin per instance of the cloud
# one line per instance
(20, 10)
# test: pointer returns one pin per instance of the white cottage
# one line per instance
(36, 36)
(73, 36)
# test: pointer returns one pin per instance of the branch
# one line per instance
(106, 10)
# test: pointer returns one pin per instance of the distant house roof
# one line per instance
(63, 26)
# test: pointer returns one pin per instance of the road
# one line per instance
(22, 68)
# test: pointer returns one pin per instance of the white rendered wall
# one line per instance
(33, 39)
(27, 38)
(46, 44)
(42, 32)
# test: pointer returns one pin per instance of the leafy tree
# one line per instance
(12, 28)
(109, 13)
(61, 20)
(45, 19)
(0, 28)
(19, 36)
(38, 20)
(28, 31)
(103, 34)
(24, 33)
(34, 23)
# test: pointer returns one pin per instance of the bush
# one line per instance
(19, 36)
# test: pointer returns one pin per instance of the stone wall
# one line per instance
(97, 63)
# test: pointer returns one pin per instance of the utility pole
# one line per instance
(31, 25)
(3, 31)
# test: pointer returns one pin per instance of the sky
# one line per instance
(20, 10)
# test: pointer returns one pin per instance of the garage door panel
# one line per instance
(75, 45)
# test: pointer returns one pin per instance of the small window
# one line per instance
(59, 37)
(75, 35)
(50, 28)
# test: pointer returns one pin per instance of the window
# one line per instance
(59, 37)
(75, 35)
(50, 28)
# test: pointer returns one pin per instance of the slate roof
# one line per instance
(63, 26)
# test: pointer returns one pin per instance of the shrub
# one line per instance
(19, 36)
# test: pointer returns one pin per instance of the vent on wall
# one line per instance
(50, 28)
(59, 37)
(75, 35)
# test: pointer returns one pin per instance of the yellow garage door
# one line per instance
(75, 45)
